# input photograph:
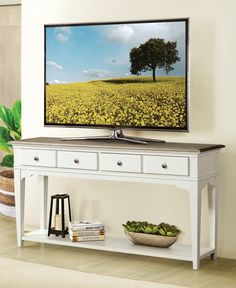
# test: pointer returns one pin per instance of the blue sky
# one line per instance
(92, 52)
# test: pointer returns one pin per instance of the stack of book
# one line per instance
(86, 231)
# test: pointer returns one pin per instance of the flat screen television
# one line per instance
(117, 75)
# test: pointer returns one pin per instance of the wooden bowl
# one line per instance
(150, 239)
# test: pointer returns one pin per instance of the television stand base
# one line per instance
(117, 134)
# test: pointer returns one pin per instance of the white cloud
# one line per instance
(121, 34)
(121, 61)
(169, 31)
(63, 33)
(98, 73)
(58, 82)
(53, 65)
(112, 61)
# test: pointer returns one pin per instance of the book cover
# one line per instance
(87, 238)
(86, 225)
(87, 232)
(74, 229)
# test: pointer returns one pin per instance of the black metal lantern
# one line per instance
(59, 225)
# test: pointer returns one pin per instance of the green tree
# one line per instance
(154, 53)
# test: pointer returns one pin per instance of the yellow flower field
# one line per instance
(131, 101)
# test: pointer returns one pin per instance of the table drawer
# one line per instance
(166, 165)
(120, 162)
(77, 160)
(32, 157)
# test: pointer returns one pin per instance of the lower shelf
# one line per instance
(118, 244)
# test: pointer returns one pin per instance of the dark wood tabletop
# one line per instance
(117, 144)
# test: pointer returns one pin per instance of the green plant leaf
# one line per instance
(11, 118)
(5, 147)
(5, 135)
(15, 135)
(7, 161)
(7, 117)
(16, 113)
(19, 129)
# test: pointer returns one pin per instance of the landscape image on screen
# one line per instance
(125, 74)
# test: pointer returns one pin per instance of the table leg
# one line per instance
(20, 205)
(195, 212)
(43, 194)
(213, 215)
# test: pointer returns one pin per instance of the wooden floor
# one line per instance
(213, 274)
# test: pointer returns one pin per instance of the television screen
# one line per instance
(126, 74)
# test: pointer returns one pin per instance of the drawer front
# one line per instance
(33, 157)
(120, 162)
(77, 160)
(166, 165)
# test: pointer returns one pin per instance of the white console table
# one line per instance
(188, 166)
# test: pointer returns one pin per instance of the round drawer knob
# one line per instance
(164, 166)
(119, 163)
(76, 161)
(36, 158)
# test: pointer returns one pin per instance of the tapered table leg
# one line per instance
(20, 205)
(195, 212)
(213, 215)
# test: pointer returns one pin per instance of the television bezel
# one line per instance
(102, 126)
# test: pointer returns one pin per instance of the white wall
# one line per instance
(9, 2)
(10, 56)
(212, 110)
